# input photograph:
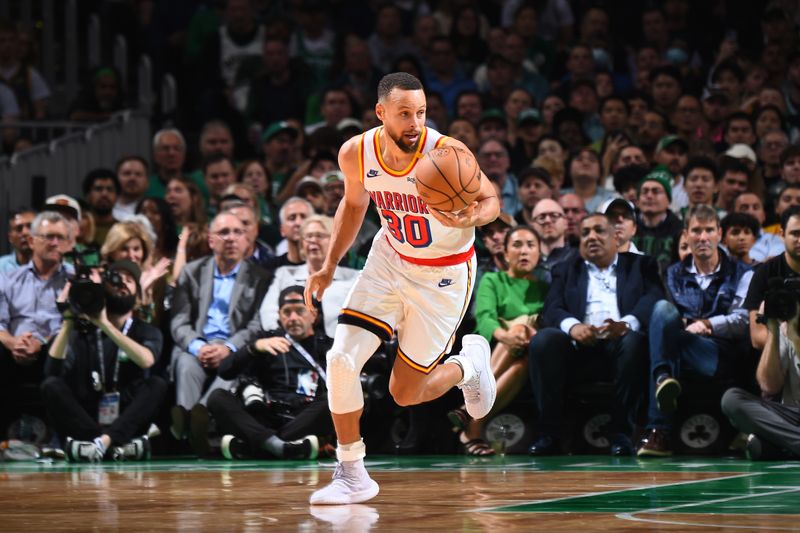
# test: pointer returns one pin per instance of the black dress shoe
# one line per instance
(621, 446)
(198, 431)
(655, 444)
(180, 422)
(546, 445)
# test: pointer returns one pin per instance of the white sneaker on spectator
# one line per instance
(232, 447)
(83, 451)
(305, 448)
(479, 386)
(136, 450)
(351, 484)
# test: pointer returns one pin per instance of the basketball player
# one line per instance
(417, 281)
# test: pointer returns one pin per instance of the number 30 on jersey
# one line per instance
(413, 229)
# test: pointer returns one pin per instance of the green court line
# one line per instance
(719, 495)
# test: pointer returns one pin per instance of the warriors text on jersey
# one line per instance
(406, 223)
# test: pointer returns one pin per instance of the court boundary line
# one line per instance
(496, 509)
(630, 516)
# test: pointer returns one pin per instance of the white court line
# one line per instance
(631, 517)
(604, 493)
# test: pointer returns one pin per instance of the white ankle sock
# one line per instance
(351, 452)
(466, 375)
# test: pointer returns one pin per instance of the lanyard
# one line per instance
(307, 357)
(101, 359)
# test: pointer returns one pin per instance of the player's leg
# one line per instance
(352, 347)
(410, 386)
(432, 314)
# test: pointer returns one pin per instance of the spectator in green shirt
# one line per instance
(506, 307)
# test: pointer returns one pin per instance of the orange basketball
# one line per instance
(448, 178)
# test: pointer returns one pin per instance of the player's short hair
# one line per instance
(397, 80)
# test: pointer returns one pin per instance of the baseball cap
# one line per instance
(742, 151)
(66, 205)
(289, 295)
(661, 175)
(278, 127)
(503, 219)
(714, 91)
(128, 266)
(529, 115)
(350, 122)
(307, 181)
(621, 202)
(492, 114)
(668, 140)
(332, 176)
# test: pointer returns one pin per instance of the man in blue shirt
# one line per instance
(29, 318)
(702, 327)
(215, 313)
(19, 236)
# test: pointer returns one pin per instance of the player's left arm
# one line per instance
(482, 211)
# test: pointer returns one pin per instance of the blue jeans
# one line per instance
(674, 349)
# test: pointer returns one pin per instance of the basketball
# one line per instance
(448, 178)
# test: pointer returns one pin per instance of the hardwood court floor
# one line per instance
(444, 493)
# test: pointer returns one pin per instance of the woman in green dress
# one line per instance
(506, 307)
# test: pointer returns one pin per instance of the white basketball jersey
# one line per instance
(405, 220)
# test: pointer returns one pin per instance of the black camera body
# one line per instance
(88, 297)
(782, 298)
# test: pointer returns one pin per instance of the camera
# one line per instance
(86, 296)
(782, 298)
(253, 396)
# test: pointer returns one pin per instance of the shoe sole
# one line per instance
(650, 453)
(314, 446)
(356, 497)
(667, 396)
(225, 447)
(485, 370)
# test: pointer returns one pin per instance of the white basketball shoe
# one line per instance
(351, 484)
(479, 386)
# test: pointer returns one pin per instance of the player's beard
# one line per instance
(404, 147)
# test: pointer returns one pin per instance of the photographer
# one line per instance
(98, 392)
(288, 365)
(786, 265)
(773, 426)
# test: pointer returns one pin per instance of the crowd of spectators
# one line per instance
(648, 165)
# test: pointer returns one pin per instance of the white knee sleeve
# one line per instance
(352, 347)
(344, 384)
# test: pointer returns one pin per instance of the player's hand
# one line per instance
(466, 218)
(273, 345)
(584, 334)
(316, 286)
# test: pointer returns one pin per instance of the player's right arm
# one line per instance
(347, 221)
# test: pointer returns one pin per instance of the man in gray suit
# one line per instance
(215, 312)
